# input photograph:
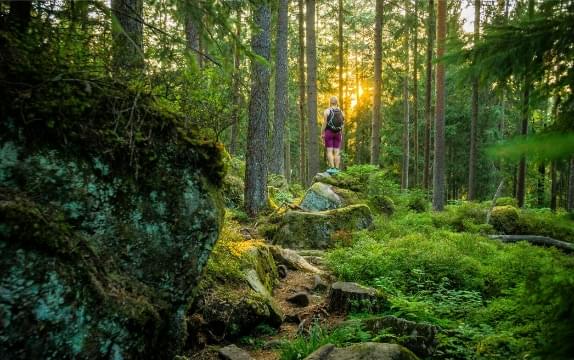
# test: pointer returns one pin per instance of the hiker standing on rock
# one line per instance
(332, 134)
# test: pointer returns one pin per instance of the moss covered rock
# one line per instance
(383, 204)
(321, 196)
(362, 351)
(101, 255)
(318, 230)
(505, 219)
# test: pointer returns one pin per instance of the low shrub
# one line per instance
(383, 204)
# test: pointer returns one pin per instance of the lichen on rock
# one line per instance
(317, 230)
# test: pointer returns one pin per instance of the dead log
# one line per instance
(536, 240)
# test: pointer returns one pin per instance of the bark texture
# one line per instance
(127, 35)
(474, 114)
(256, 161)
(302, 103)
(376, 120)
(428, 94)
(439, 146)
(406, 115)
(281, 109)
(237, 100)
(416, 97)
(570, 206)
(311, 53)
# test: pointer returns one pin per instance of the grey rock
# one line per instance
(232, 352)
(364, 351)
(320, 230)
(420, 338)
(319, 284)
(346, 296)
(320, 197)
(292, 260)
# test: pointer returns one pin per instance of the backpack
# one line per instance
(335, 120)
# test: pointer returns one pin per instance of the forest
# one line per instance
(175, 182)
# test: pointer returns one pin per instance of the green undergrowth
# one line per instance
(492, 300)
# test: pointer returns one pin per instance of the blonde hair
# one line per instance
(333, 100)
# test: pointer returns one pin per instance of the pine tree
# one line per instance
(303, 175)
(439, 143)
(256, 159)
(428, 94)
(281, 109)
(313, 135)
(127, 36)
(474, 114)
(376, 119)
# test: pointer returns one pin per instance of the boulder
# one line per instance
(363, 351)
(340, 180)
(103, 240)
(318, 230)
(232, 352)
(420, 338)
(505, 219)
(347, 296)
(321, 196)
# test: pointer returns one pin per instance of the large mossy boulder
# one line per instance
(505, 219)
(103, 239)
(236, 293)
(320, 230)
(321, 197)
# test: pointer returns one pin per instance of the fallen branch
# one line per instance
(536, 240)
(496, 195)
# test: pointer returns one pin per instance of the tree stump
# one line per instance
(346, 296)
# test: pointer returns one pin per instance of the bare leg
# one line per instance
(337, 157)
(330, 158)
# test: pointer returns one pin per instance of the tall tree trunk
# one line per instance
(192, 35)
(554, 185)
(416, 96)
(256, 159)
(540, 185)
(376, 120)
(570, 205)
(281, 109)
(127, 36)
(287, 153)
(234, 147)
(302, 104)
(406, 137)
(428, 94)
(474, 114)
(439, 144)
(340, 59)
(312, 91)
(521, 182)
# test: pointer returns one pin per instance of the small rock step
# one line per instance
(232, 352)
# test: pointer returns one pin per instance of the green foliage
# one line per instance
(492, 300)
(361, 172)
(318, 336)
(505, 219)
(383, 203)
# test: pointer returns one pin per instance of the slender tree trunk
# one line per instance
(406, 137)
(439, 156)
(312, 91)
(428, 94)
(281, 109)
(127, 47)
(192, 36)
(474, 114)
(302, 105)
(376, 120)
(416, 96)
(340, 59)
(554, 186)
(570, 205)
(540, 186)
(256, 159)
(234, 147)
(521, 180)
(287, 152)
